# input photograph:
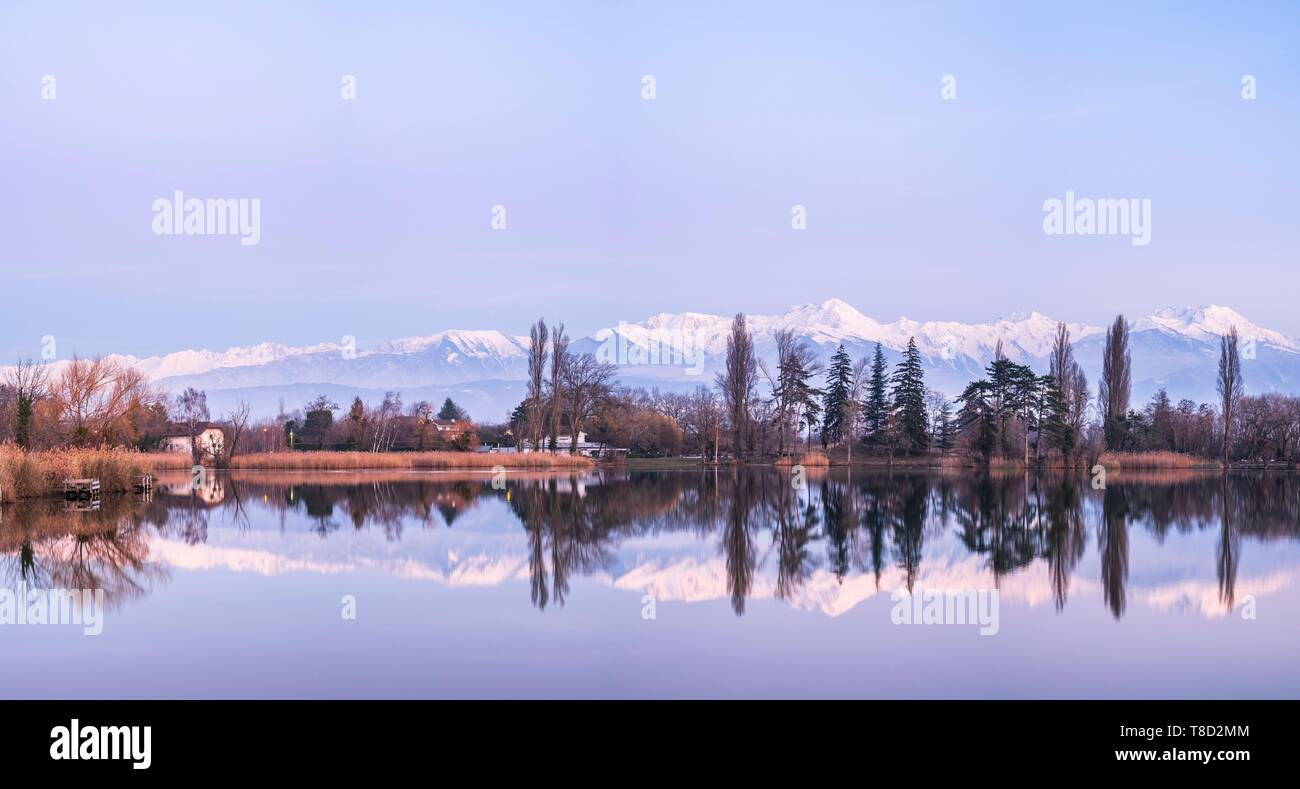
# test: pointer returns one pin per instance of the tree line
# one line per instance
(386, 426)
(791, 405)
(754, 409)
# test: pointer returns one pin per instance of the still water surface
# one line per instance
(1162, 585)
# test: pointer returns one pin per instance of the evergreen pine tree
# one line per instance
(978, 417)
(876, 404)
(1012, 389)
(1026, 393)
(450, 410)
(1056, 417)
(909, 399)
(946, 429)
(838, 377)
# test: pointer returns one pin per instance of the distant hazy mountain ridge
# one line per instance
(1173, 348)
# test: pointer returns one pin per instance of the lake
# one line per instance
(717, 583)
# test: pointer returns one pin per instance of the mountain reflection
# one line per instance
(772, 537)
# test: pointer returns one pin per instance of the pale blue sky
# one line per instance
(375, 212)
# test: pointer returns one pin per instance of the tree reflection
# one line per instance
(44, 546)
(738, 538)
(767, 539)
(998, 519)
(565, 535)
(1228, 549)
(1112, 542)
(1066, 535)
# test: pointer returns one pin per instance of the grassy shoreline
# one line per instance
(1156, 460)
(360, 461)
(25, 475)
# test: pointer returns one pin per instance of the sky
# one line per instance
(376, 212)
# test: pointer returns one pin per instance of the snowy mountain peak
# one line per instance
(831, 321)
(1210, 321)
(489, 344)
(195, 362)
(831, 311)
(1173, 348)
(1033, 316)
(683, 321)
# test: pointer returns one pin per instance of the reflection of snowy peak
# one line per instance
(687, 568)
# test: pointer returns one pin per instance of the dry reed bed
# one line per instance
(357, 461)
(1154, 460)
(806, 459)
(26, 475)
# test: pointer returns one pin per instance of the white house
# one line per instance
(452, 428)
(564, 443)
(211, 439)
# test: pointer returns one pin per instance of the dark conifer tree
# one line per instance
(1056, 417)
(838, 380)
(978, 417)
(875, 407)
(945, 428)
(909, 399)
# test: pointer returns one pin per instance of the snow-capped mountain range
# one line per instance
(484, 369)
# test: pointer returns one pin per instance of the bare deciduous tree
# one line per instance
(586, 383)
(423, 414)
(795, 364)
(192, 410)
(853, 404)
(28, 381)
(703, 418)
(237, 423)
(1072, 384)
(559, 361)
(97, 401)
(382, 422)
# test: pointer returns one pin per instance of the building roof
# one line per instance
(183, 431)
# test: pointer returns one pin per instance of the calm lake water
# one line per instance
(1161, 585)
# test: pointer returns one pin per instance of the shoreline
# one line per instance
(40, 474)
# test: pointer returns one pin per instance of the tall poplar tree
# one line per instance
(1230, 385)
(1116, 384)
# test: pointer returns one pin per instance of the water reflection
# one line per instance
(46, 545)
(633, 527)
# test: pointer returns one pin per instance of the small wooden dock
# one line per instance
(81, 489)
(144, 484)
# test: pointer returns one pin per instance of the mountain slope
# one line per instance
(1172, 348)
